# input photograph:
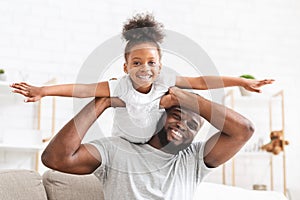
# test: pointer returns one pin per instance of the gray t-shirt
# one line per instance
(139, 171)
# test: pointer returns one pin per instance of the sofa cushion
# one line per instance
(21, 185)
(72, 187)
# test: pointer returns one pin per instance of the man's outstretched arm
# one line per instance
(65, 152)
(235, 130)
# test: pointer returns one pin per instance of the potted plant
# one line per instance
(2, 75)
(245, 92)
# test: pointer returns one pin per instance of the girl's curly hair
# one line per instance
(142, 28)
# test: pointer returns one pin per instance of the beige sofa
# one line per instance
(30, 185)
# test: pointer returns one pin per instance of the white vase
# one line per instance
(2, 77)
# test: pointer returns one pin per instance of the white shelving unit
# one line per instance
(4, 88)
(27, 148)
(232, 100)
(35, 145)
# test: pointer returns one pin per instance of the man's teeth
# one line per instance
(177, 133)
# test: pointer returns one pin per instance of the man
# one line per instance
(170, 166)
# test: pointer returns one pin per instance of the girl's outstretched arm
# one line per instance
(213, 82)
(34, 93)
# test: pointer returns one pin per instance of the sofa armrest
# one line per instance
(21, 184)
(72, 187)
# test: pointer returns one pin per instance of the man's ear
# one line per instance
(125, 68)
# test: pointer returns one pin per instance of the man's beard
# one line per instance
(167, 146)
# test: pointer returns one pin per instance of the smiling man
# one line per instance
(169, 166)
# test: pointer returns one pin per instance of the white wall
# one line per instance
(44, 39)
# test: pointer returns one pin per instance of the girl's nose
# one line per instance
(145, 67)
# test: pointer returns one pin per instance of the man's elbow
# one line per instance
(46, 159)
(248, 130)
(50, 160)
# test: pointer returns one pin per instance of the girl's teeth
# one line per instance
(144, 77)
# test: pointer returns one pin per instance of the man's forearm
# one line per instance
(68, 140)
(234, 129)
(221, 117)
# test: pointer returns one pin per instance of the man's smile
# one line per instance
(175, 134)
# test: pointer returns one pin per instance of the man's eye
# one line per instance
(176, 116)
(192, 125)
(136, 63)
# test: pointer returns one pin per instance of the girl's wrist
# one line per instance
(43, 91)
(243, 82)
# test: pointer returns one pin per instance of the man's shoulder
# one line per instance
(194, 149)
(109, 141)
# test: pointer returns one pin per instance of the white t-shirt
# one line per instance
(137, 122)
(139, 171)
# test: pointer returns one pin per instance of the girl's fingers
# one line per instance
(30, 99)
(265, 82)
(25, 84)
(257, 90)
(268, 81)
(19, 86)
(25, 93)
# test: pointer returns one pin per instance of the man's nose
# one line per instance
(182, 125)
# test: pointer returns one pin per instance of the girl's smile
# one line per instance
(143, 66)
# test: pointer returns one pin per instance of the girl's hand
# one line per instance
(32, 93)
(255, 85)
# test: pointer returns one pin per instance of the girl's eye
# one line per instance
(136, 63)
(153, 64)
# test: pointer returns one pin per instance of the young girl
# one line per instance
(142, 86)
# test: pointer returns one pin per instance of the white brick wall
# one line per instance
(44, 39)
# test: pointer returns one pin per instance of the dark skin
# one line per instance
(66, 153)
(180, 126)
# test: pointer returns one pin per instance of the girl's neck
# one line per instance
(143, 90)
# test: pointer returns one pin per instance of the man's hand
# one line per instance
(169, 99)
(180, 97)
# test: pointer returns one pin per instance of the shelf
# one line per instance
(266, 105)
(18, 147)
(19, 141)
(4, 83)
(4, 88)
(259, 153)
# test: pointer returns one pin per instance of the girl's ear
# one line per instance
(160, 66)
(125, 68)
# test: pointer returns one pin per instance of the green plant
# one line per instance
(2, 71)
(248, 76)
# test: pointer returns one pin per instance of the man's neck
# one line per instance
(155, 142)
